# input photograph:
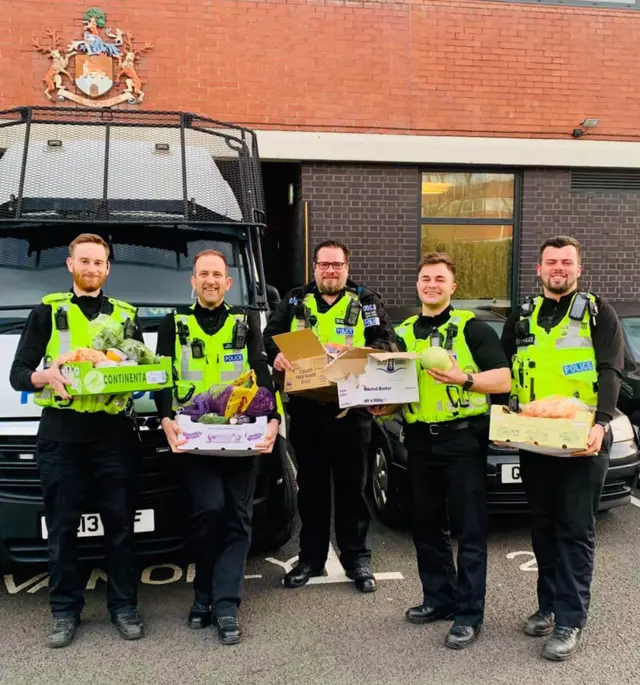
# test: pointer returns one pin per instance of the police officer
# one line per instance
(446, 437)
(82, 443)
(341, 314)
(565, 342)
(211, 343)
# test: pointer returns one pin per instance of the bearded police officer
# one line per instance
(341, 314)
(446, 436)
(82, 442)
(211, 343)
(565, 342)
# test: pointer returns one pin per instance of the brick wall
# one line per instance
(374, 210)
(450, 66)
(606, 223)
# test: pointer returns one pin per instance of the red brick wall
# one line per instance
(451, 66)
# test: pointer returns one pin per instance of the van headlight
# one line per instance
(621, 429)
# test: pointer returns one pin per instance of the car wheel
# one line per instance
(282, 510)
(383, 494)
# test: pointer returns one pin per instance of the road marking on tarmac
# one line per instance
(635, 501)
(334, 571)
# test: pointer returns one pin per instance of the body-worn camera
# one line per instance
(353, 312)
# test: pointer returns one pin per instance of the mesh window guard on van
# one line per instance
(613, 180)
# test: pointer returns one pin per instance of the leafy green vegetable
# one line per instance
(212, 418)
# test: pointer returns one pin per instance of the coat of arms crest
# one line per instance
(98, 63)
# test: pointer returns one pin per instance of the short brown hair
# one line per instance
(429, 258)
(89, 238)
(562, 241)
(210, 253)
(335, 244)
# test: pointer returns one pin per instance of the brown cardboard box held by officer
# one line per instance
(540, 432)
(356, 377)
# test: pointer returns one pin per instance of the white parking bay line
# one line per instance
(635, 501)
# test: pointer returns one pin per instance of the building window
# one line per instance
(472, 217)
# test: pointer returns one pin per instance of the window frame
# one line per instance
(514, 221)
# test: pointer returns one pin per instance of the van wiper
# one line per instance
(11, 326)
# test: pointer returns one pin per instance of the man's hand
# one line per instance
(281, 363)
(53, 377)
(454, 376)
(174, 434)
(266, 446)
(382, 409)
(594, 442)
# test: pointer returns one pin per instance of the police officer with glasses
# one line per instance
(328, 443)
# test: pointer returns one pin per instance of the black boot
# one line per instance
(229, 632)
(63, 631)
(199, 616)
(461, 636)
(128, 624)
(562, 644)
(300, 575)
(363, 578)
(540, 624)
(427, 614)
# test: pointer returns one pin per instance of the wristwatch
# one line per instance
(605, 424)
(468, 383)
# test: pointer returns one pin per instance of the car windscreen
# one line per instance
(631, 328)
(153, 269)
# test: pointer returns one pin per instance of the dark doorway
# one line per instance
(283, 243)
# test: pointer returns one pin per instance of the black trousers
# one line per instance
(326, 449)
(222, 491)
(89, 477)
(563, 495)
(447, 474)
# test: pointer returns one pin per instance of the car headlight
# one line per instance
(621, 429)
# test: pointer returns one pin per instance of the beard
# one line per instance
(566, 285)
(88, 285)
(332, 286)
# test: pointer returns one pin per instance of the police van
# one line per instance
(159, 187)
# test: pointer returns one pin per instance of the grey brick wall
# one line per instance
(373, 209)
(606, 223)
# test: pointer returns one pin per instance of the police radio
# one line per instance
(353, 312)
(62, 320)
(183, 332)
(303, 313)
(240, 334)
(452, 331)
(522, 328)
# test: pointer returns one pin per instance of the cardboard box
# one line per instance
(222, 440)
(109, 380)
(309, 360)
(366, 377)
(556, 437)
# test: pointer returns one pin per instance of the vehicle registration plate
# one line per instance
(91, 524)
(510, 473)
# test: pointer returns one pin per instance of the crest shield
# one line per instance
(94, 74)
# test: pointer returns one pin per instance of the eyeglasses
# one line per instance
(336, 266)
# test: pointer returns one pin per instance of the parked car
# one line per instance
(629, 401)
(389, 483)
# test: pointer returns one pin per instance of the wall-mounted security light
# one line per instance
(584, 127)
